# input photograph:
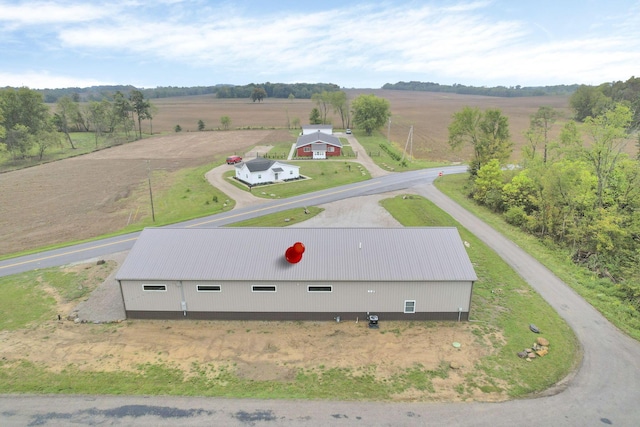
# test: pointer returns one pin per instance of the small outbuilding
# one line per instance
(265, 171)
(416, 273)
(318, 145)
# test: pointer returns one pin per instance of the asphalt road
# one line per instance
(605, 390)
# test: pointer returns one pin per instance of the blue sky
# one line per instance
(51, 44)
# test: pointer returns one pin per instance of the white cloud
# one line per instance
(460, 42)
(47, 12)
(42, 79)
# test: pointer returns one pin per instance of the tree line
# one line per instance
(27, 122)
(276, 90)
(500, 91)
(271, 90)
(589, 101)
(580, 190)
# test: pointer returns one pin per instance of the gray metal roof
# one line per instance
(317, 127)
(337, 254)
(314, 137)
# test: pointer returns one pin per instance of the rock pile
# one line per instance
(540, 348)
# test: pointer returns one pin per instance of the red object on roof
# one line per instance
(294, 253)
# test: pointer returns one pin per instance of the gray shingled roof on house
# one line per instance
(260, 164)
(332, 254)
(315, 137)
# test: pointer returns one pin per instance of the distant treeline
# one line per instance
(502, 91)
(274, 90)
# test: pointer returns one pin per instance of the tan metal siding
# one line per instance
(137, 299)
(348, 297)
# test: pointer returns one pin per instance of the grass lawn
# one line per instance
(320, 176)
(280, 219)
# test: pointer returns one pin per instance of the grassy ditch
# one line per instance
(599, 292)
(281, 219)
(390, 156)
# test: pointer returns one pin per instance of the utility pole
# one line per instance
(389, 130)
(153, 214)
(409, 140)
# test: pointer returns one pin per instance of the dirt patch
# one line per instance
(260, 351)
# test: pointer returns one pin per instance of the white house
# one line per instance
(308, 129)
(264, 171)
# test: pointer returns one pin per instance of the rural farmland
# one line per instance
(87, 196)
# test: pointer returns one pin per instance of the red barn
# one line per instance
(319, 145)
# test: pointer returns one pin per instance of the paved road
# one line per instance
(604, 391)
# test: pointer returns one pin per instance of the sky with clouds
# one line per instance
(361, 44)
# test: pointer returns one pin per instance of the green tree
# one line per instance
(487, 132)
(340, 105)
(121, 113)
(487, 188)
(18, 141)
(200, 125)
(178, 128)
(66, 112)
(24, 107)
(2, 131)
(587, 101)
(141, 108)
(370, 112)
(45, 139)
(540, 124)
(97, 114)
(295, 122)
(314, 117)
(258, 94)
(225, 121)
(608, 133)
(323, 102)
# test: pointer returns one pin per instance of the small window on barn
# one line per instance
(307, 149)
(259, 176)
(331, 148)
(154, 288)
(312, 288)
(410, 306)
(263, 288)
(290, 172)
(209, 288)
